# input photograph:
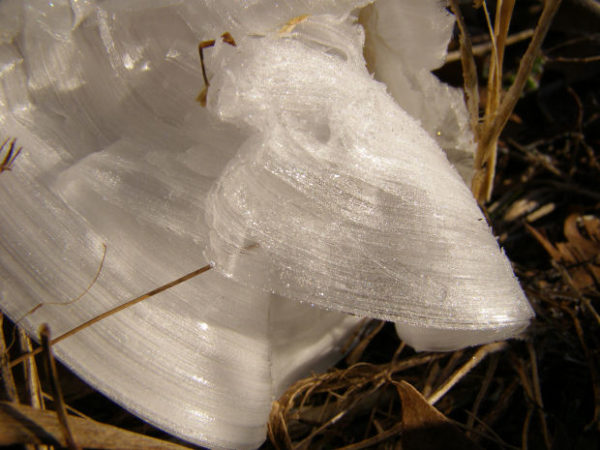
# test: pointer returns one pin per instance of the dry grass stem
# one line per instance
(525, 429)
(20, 424)
(486, 47)
(495, 118)
(538, 394)
(360, 348)
(487, 381)
(225, 37)
(32, 379)
(11, 155)
(115, 310)
(381, 436)
(59, 403)
(469, 69)
(8, 389)
(479, 356)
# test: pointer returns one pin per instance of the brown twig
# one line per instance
(379, 437)
(479, 356)
(537, 392)
(493, 125)
(59, 403)
(525, 428)
(8, 390)
(228, 39)
(581, 60)
(501, 405)
(469, 69)
(34, 389)
(20, 424)
(359, 349)
(486, 47)
(595, 378)
(11, 154)
(487, 381)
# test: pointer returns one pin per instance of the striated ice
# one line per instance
(303, 184)
(352, 204)
(392, 28)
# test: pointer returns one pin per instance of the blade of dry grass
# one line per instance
(595, 378)
(379, 437)
(33, 386)
(486, 47)
(525, 429)
(20, 424)
(469, 69)
(8, 390)
(487, 380)
(497, 116)
(59, 403)
(115, 310)
(479, 356)
(360, 348)
(502, 404)
(12, 153)
(538, 394)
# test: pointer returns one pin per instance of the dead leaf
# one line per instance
(424, 427)
(580, 254)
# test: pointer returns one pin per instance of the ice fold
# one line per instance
(352, 205)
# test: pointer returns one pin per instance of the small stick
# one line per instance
(11, 155)
(538, 393)
(583, 59)
(469, 69)
(201, 46)
(56, 389)
(292, 23)
(112, 311)
(68, 302)
(379, 437)
(525, 430)
(430, 379)
(73, 300)
(34, 390)
(512, 96)
(592, 367)
(8, 390)
(567, 278)
(228, 39)
(489, 375)
(466, 368)
(485, 47)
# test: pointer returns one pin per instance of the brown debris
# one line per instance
(12, 153)
(20, 424)
(580, 254)
(424, 427)
(225, 37)
(372, 401)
